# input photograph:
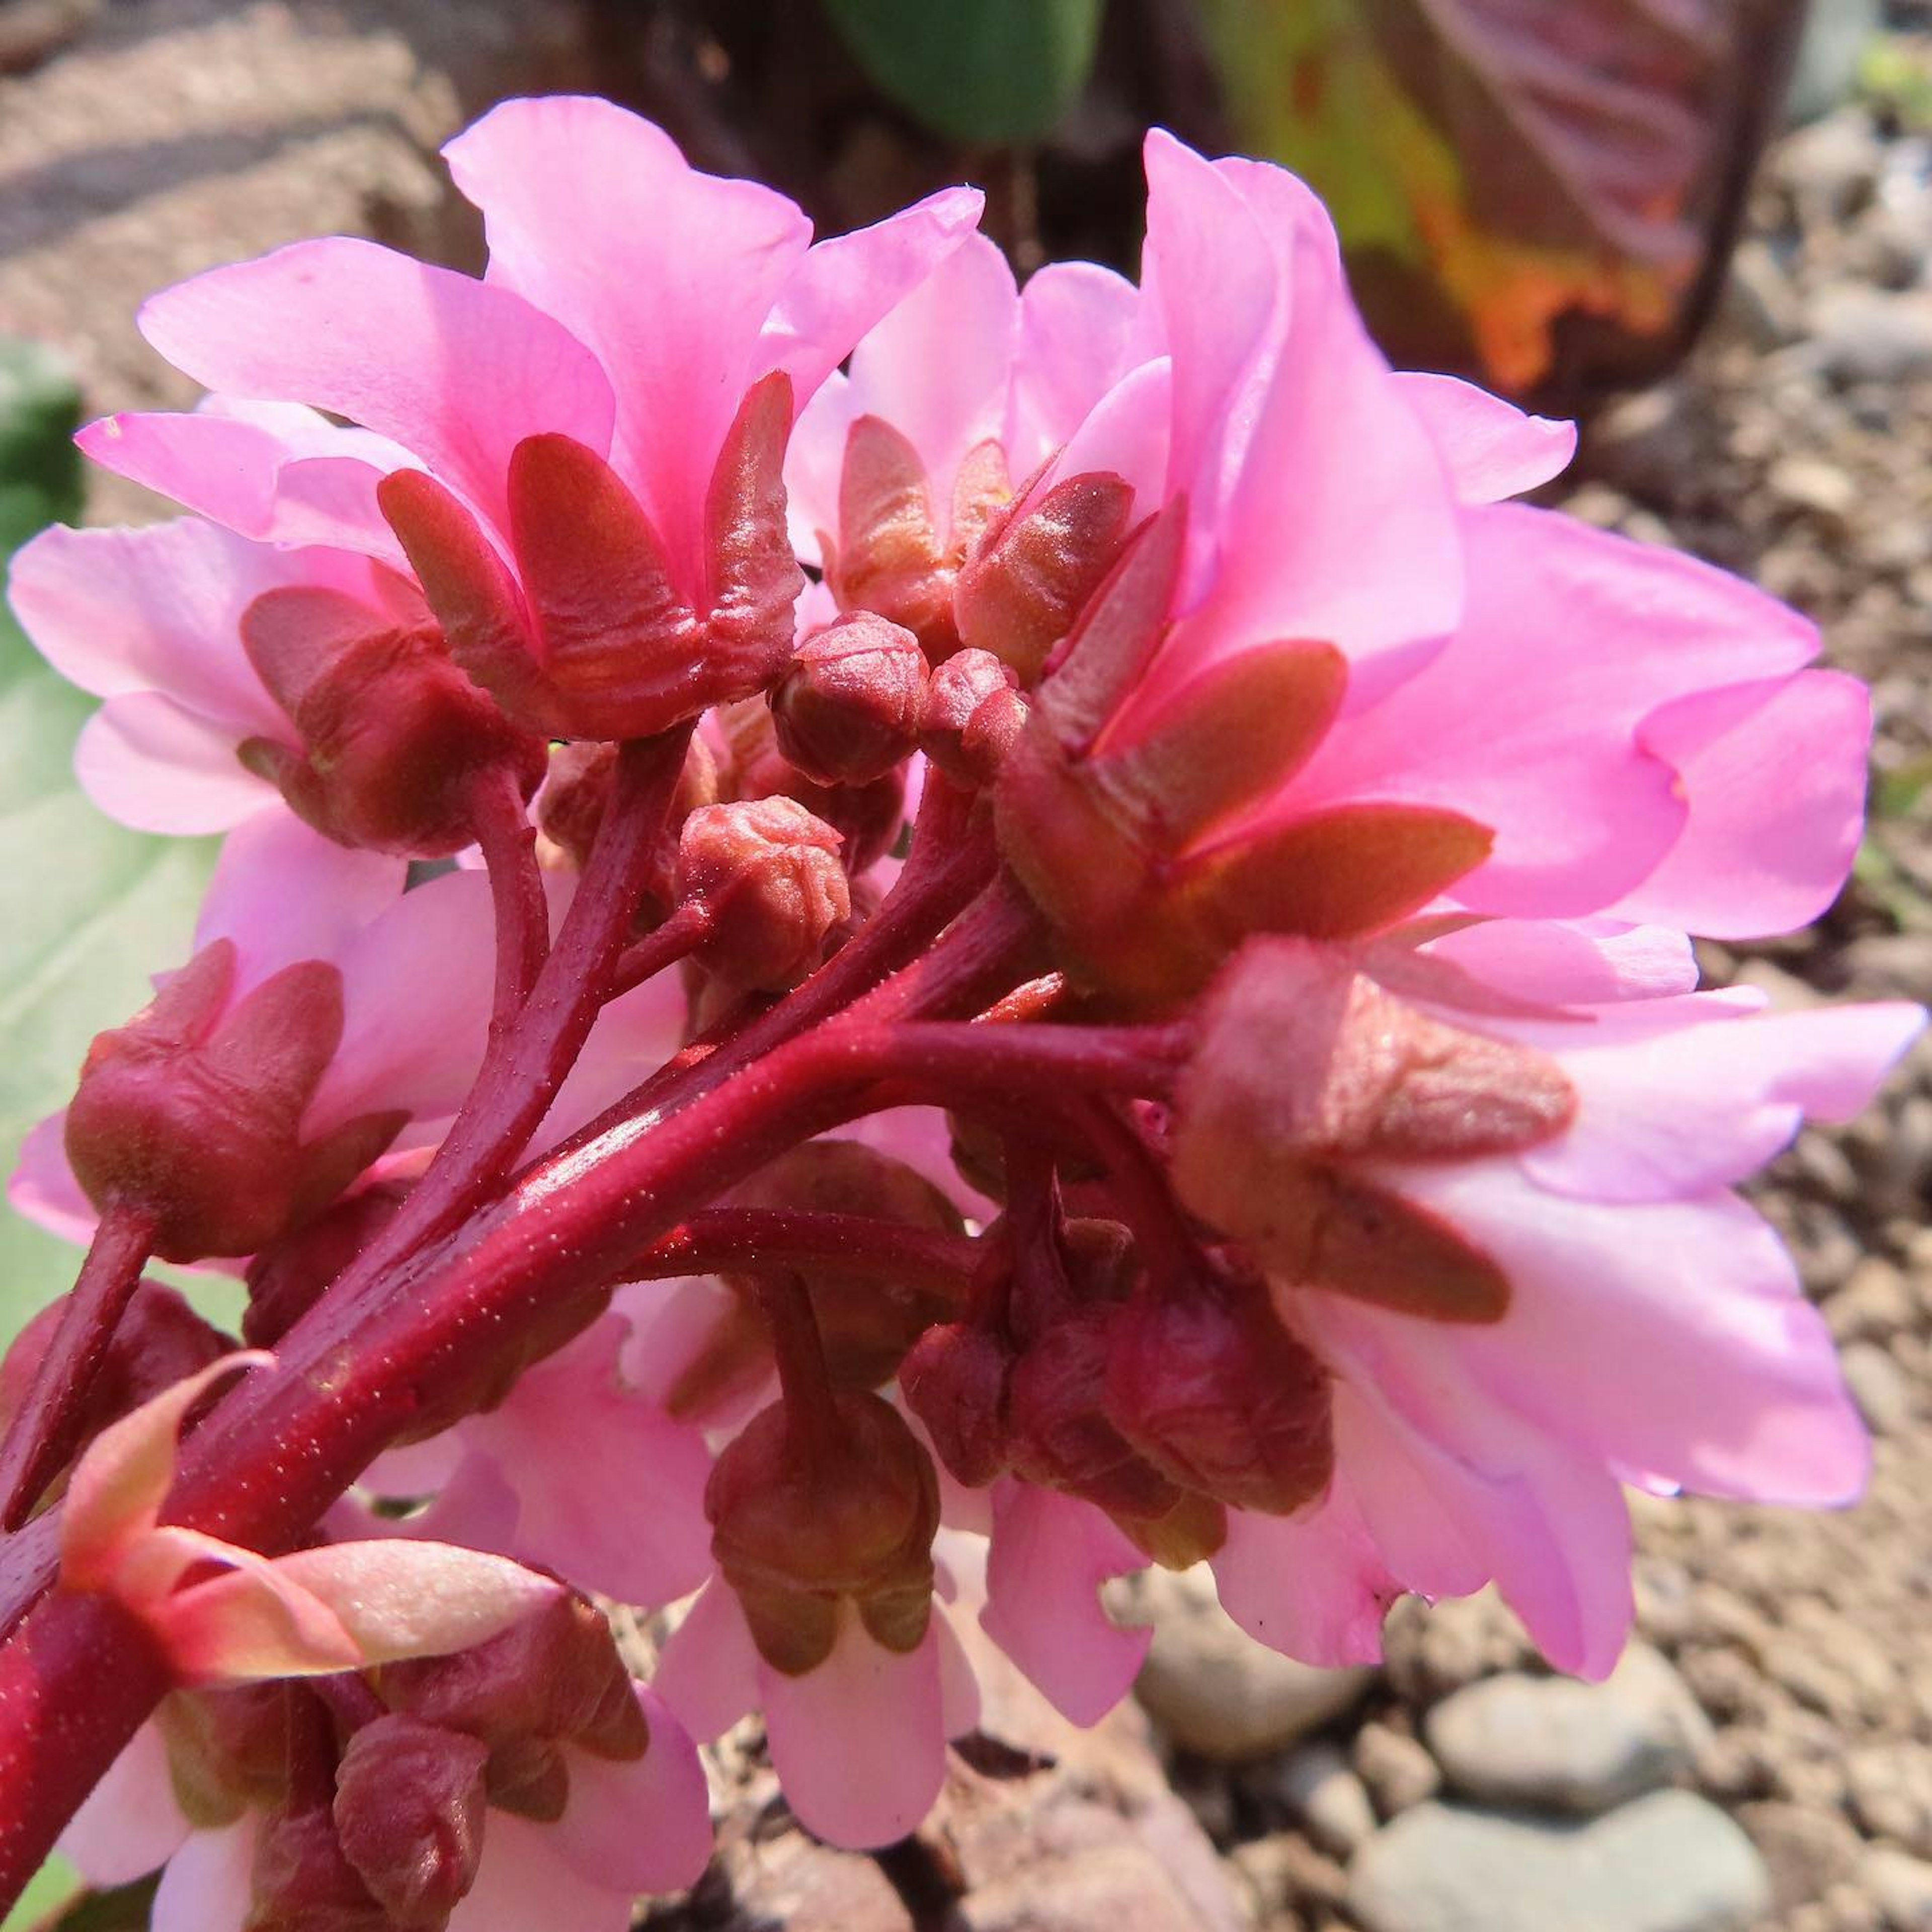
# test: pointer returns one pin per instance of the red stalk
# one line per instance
(509, 846)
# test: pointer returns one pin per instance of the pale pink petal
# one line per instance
(473, 1505)
(938, 367)
(815, 464)
(1493, 448)
(418, 981)
(1049, 1556)
(416, 1468)
(282, 892)
(160, 609)
(673, 1322)
(1775, 775)
(248, 1625)
(708, 1672)
(958, 1686)
(1076, 340)
(846, 283)
(1421, 1545)
(1669, 1337)
(1127, 435)
(282, 485)
(1555, 962)
(456, 372)
(130, 1822)
(144, 760)
(525, 1881)
(1533, 720)
(667, 275)
(920, 1137)
(639, 1824)
(42, 1187)
(1703, 1103)
(860, 1743)
(633, 1037)
(612, 1489)
(209, 1884)
(1312, 1586)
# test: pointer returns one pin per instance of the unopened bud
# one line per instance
(798, 1526)
(191, 1112)
(869, 818)
(847, 709)
(409, 1813)
(390, 735)
(973, 711)
(227, 1751)
(287, 1279)
(302, 1883)
(768, 873)
(1217, 1395)
(954, 1379)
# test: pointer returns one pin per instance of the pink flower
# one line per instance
(1509, 1237)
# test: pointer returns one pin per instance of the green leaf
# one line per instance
(50, 1894)
(976, 70)
(39, 467)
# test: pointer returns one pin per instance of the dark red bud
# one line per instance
(1219, 1396)
(798, 1526)
(391, 738)
(847, 709)
(303, 1883)
(409, 1815)
(954, 1379)
(287, 1279)
(192, 1112)
(973, 711)
(227, 1751)
(768, 873)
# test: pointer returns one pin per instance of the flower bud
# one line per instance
(301, 1881)
(973, 711)
(391, 737)
(409, 1816)
(799, 1522)
(869, 818)
(191, 1112)
(847, 709)
(287, 1279)
(227, 1751)
(768, 873)
(954, 1379)
(1218, 1396)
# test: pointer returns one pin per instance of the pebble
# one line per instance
(1113, 1889)
(1901, 1886)
(1879, 1387)
(1889, 1787)
(1318, 1785)
(1553, 1742)
(1875, 1303)
(1807, 1849)
(1397, 1769)
(1284, 1870)
(1810, 483)
(1431, 1649)
(1217, 1692)
(1670, 1862)
(1862, 334)
(1758, 298)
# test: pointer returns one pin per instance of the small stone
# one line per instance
(1318, 1785)
(1759, 300)
(1284, 1872)
(1807, 1850)
(1670, 1862)
(1397, 1769)
(1553, 1741)
(1862, 334)
(1118, 1887)
(1874, 1305)
(1901, 1886)
(1889, 1788)
(1879, 1387)
(1810, 483)
(1215, 1691)
(1431, 1649)
(1647, 444)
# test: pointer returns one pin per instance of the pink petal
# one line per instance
(43, 1188)
(1076, 340)
(639, 1824)
(814, 464)
(665, 274)
(209, 1884)
(160, 609)
(1553, 962)
(612, 1489)
(1421, 1544)
(456, 372)
(708, 1674)
(1533, 720)
(282, 892)
(282, 475)
(846, 283)
(526, 1881)
(1775, 775)
(958, 1686)
(1127, 435)
(1668, 1337)
(860, 1743)
(633, 1037)
(938, 367)
(145, 760)
(130, 1822)
(1312, 1587)
(1699, 1104)
(1493, 449)
(249, 1624)
(1049, 1556)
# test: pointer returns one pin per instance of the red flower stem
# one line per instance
(46, 1426)
(680, 935)
(509, 846)
(525, 1067)
(77, 1677)
(813, 1427)
(1139, 1190)
(721, 1240)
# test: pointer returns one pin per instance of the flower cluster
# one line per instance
(887, 946)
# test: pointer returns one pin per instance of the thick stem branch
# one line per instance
(509, 847)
